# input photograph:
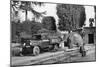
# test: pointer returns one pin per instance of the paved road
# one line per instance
(55, 57)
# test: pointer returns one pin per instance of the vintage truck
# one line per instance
(39, 43)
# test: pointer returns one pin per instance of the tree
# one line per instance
(70, 16)
(26, 26)
(49, 23)
(16, 28)
(27, 6)
(91, 20)
(14, 10)
(36, 26)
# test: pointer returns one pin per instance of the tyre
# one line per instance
(36, 50)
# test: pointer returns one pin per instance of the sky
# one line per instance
(51, 11)
(89, 10)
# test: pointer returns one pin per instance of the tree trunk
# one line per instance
(26, 15)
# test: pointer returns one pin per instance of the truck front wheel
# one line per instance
(36, 50)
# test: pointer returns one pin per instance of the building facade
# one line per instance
(89, 35)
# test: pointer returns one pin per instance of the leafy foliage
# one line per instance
(70, 16)
(30, 27)
(26, 6)
(91, 20)
(36, 26)
(49, 23)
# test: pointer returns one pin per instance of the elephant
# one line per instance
(75, 39)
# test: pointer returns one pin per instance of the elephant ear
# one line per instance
(78, 39)
(75, 38)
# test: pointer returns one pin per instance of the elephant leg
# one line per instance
(82, 51)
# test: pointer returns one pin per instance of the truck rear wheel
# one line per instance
(36, 50)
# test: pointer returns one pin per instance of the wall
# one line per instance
(88, 31)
